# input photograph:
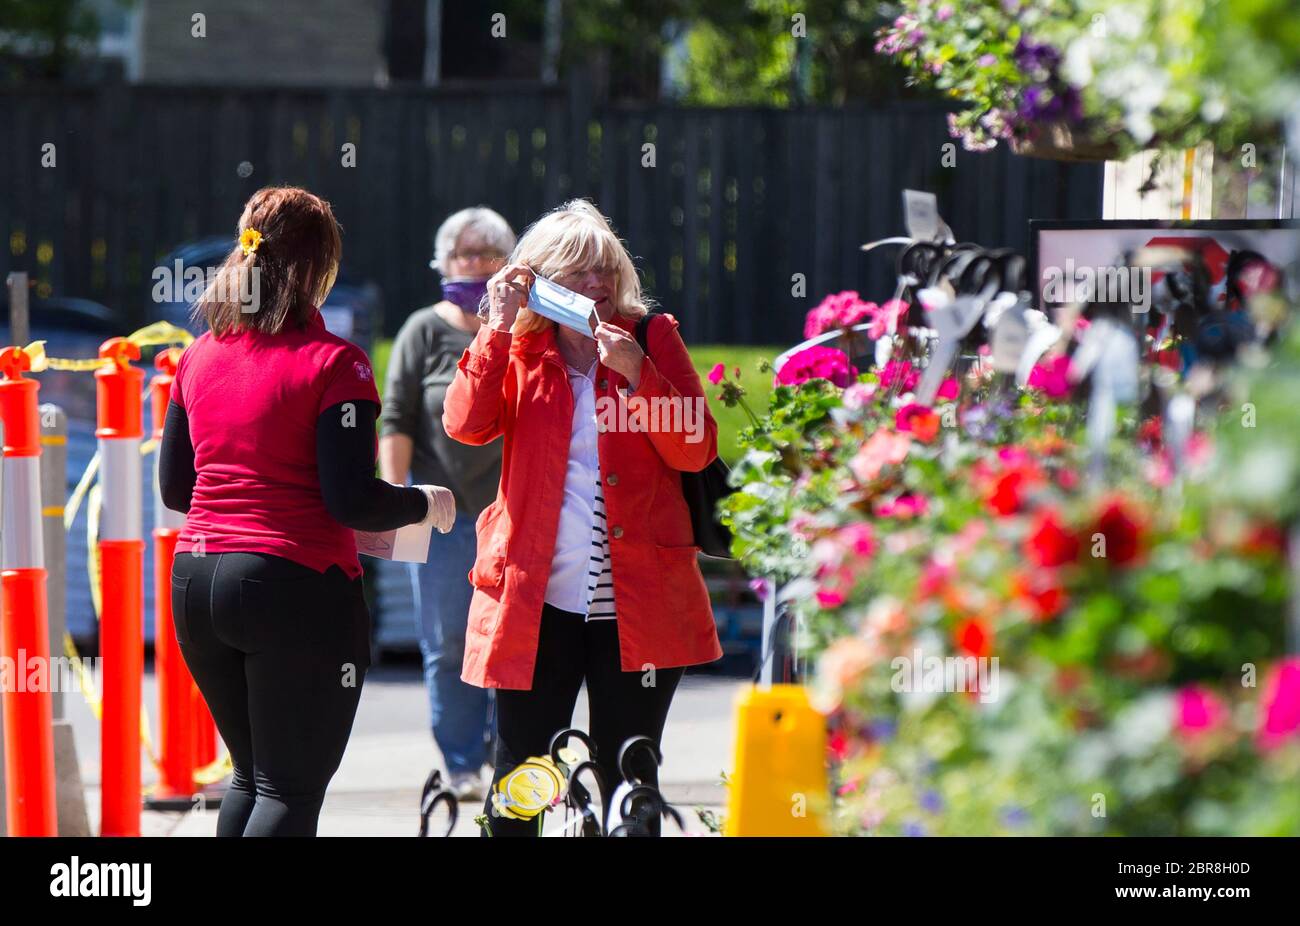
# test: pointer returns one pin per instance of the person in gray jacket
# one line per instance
(469, 247)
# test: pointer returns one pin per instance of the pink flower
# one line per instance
(949, 389)
(838, 310)
(858, 395)
(904, 507)
(883, 448)
(902, 372)
(1052, 377)
(817, 363)
(1280, 703)
(718, 373)
(886, 317)
(857, 539)
(1199, 710)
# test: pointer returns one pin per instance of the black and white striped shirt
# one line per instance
(600, 584)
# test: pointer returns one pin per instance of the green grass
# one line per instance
(706, 356)
(758, 388)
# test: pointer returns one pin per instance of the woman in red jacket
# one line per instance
(586, 567)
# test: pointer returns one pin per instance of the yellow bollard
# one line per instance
(778, 787)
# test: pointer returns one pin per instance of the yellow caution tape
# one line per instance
(83, 486)
(155, 335)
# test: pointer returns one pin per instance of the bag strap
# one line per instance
(643, 332)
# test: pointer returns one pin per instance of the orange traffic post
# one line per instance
(176, 716)
(24, 632)
(205, 731)
(119, 412)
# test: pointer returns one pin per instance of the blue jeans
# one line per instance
(459, 713)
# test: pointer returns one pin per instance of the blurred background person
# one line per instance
(469, 247)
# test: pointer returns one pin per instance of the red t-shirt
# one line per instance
(252, 400)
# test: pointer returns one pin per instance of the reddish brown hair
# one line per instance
(295, 260)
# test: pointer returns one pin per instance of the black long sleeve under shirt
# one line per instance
(345, 459)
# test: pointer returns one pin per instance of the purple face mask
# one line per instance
(466, 294)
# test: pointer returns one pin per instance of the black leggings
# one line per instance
(622, 705)
(279, 652)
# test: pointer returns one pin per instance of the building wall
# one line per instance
(284, 42)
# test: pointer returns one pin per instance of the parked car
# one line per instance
(353, 310)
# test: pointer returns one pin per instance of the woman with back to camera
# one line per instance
(586, 566)
(269, 447)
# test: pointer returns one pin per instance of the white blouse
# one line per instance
(580, 579)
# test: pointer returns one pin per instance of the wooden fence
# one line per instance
(738, 199)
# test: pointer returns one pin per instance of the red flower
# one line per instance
(1006, 496)
(1264, 540)
(838, 745)
(1151, 433)
(718, 373)
(1041, 593)
(974, 637)
(1122, 532)
(920, 420)
(1049, 543)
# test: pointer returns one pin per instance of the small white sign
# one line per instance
(409, 544)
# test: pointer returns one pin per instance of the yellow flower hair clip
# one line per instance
(249, 240)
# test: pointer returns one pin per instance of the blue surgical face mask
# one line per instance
(466, 294)
(573, 310)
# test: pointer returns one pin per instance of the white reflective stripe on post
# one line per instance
(23, 544)
(120, 475)
(163, 517)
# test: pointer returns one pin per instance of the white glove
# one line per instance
(442, 507)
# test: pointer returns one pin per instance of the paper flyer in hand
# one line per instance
(409, 544)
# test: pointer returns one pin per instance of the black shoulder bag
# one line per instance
(702, 490)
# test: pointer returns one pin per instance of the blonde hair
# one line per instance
(576, 236)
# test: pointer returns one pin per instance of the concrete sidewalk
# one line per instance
(377, 789)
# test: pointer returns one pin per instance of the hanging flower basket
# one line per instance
(1057, 141)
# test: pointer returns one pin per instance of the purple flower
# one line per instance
(943, 14)
(987, 61)
(931, 801)
(1014, 817)
(1036, 60)
(913, 829)
(881, 729)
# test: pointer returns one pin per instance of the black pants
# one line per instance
(622, 705)
(279, 652)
